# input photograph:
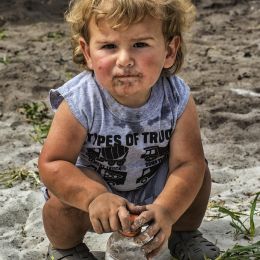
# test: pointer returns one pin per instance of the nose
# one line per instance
(124, 59)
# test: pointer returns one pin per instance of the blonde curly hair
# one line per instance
(176, 16)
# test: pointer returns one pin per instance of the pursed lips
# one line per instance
(126, 79)
(127, 76)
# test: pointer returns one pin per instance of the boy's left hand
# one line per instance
(159, 229)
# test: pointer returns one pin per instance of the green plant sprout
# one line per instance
(252, 213)
(40, 132)
(239, 252)
(9, 178)
(55, 35)
(37, 114)
(69, 75)
(4, 60)
(2, 34)
(236, 222)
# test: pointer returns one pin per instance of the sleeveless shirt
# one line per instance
(126, 146)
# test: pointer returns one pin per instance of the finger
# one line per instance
(97, 226)
(143, 218)
(142, 239)
(155, 244)
(123, 215)
(135, 209)
(152, 229)
(114, 223)
(148, 234)
(155, 252)
(105, 225)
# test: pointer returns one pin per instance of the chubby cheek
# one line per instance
(152, 65)
(103, 65)
(103, 70)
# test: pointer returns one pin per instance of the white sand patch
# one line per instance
(22, 235)
(244, 92)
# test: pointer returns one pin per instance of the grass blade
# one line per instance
(252, 212)
(239, 252)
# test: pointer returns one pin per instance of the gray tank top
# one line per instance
(126, 146)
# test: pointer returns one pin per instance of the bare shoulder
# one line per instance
(185, 144)
(65, 121)
(189, 116)
(65, 137)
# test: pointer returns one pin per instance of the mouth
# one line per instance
(121, 80)
(127, 76)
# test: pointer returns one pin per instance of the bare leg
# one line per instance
(65, 226)
(192, 218)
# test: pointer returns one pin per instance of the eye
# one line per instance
(140, 45)
(109, 46)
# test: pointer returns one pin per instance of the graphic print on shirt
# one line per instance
(154, 156)
(112, 177)
(111, 155)
(114, 156)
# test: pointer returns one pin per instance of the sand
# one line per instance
(222, 68)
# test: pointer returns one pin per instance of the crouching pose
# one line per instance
(125, 137)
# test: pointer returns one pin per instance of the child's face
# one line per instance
(128, 62)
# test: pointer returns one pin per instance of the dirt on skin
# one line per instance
(222, 69)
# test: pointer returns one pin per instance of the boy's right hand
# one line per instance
(109, 212)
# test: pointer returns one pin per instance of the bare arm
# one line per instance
(186, 173)
(186, 165)
(57, 159)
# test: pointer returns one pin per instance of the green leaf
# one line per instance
(239, 252)
(252, 212)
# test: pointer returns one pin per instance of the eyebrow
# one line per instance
(134, 40)
(143, 38)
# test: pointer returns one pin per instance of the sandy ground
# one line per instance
(222, 68)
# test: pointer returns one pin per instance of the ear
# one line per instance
(171, 52)
(86, 52)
